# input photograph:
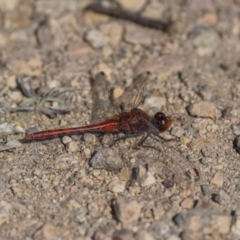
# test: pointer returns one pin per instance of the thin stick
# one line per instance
(123, 14)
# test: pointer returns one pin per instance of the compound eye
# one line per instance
(163, 121)
(159, 115)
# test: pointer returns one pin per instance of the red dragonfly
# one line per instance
(129, 119)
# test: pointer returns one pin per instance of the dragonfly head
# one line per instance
(162, 121)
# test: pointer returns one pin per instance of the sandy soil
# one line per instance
(77, 187)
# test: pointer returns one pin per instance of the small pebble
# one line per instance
(126, 212)
(125, 174)
(102, 234)
(116, 186)
(64, 161)
(206, 189)
(96, 173)
(148, 180)
(203, 109)
(180, 219)
(137, 35)
(9, 145)
(187, 96)
(10, 128)
(50, 232)
(87, 152)
(117, 92)
(66, 139)
(222, 198)
(187, 203)
(155, 101)
(144, 235)
(89, 138)
(159, 228)
(107, 158)
(122, 234)
(206, 160)
(113, 30)
(6, 6)
(217, 179)
(154, 10)
(204, 221)
(106, 51)
(96, 39)
(133, 5)
(185, 141)
(168, 183)
(11, 82)
(72, 147)
(205, 40)
(144, 177)
(236, 129)
(53, 84)
(16, 96)
(177, 131)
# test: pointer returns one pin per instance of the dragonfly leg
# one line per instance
(162, 138)
(141, 143)
(142, 140)
(125, 137)
(159, 139)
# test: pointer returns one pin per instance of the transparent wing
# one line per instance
(100, 94)
(133, 94)
(104, 103)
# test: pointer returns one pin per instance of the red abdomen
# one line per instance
(107, 126)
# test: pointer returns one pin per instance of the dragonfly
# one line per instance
(128, 118)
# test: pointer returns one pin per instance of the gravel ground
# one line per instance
(77, 187)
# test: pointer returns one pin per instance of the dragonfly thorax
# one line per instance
(134, 121)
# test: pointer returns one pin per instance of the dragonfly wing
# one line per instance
(133, 94)
(100, 95)
(105, 105)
